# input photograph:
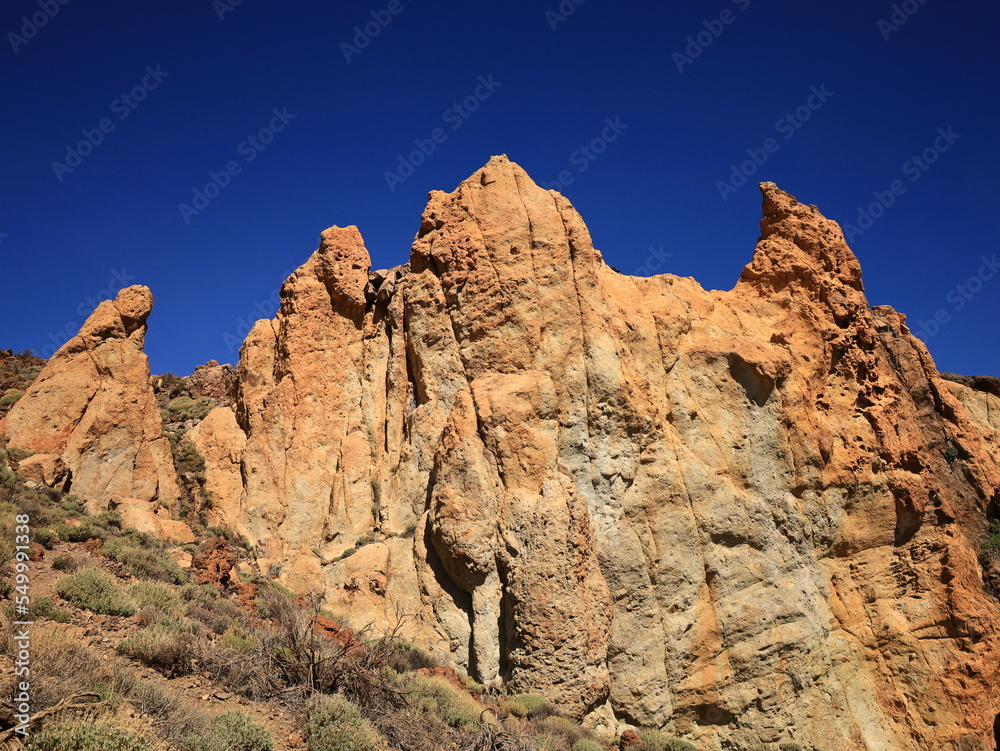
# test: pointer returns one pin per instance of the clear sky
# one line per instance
(273, 121)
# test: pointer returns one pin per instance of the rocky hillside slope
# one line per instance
(740, 516)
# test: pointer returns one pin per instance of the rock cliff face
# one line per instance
(733, 513)
(90, 419)
(748, 516)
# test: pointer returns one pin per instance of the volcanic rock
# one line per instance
(726, 513)
(91, 418)
(212, 380)
(741, 516)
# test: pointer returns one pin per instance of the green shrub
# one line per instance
(10, 397)
(790, 747)
(167, 645)
(654, 740)
(233, 731)
(335, 724)
(95, 589)
(45, 537)
(437, 695)
(81, 533)
(143, 563)
(239, 640)
(155, 595)
(951, 453)
(586, 746)
(43, 607)
(187, 460)
(185, 408)
(471, 683)
(65, 562)
(266, 585)
(529, 705)
(110, 519)
(136, 539)
(81, 735)
(203, 594)
(992, 542)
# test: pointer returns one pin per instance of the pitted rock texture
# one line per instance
(212, 380)
(732, 514)
(90, 418)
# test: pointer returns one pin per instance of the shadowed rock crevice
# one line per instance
(758, 386)
(908, 522)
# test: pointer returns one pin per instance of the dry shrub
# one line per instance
(255, 674)
(414, 730)
(94, 589)
(562, 733)
(61, 665)
(497, 737)
(219, 615)
(156, 595)
(174, 716)
(65, 562)
(361, 674)
(335, 724)
(404, 657)
(287, 661)
(167, 645)
(439, 696)
(148, 616)
(81, 735)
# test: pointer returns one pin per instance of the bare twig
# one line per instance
(66, 704)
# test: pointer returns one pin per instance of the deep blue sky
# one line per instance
(62, 242)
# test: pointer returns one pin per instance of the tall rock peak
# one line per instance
(800, 247)
(90, 419)
(341, 264)
(113, 320)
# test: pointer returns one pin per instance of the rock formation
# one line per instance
(90, 419)
(733, 513)
(212, 380)
(745, 516)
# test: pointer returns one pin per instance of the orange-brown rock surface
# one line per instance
(745, 516)
(90, 418)
(734, 514)
(212, 380)
(152, 519)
